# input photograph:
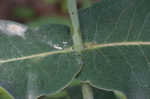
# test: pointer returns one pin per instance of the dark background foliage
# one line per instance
(30, 10)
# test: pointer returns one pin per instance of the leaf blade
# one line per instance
(113, 32)
(37, 61)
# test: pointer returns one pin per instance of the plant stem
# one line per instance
(87, 91)
(77, 40)
(76, 34)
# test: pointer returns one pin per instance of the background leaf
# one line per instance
(117, 34)
(4, 94)
(49, 20)
(35, 61)
(75, 92)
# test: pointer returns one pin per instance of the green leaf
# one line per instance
(49, 20)
(75, 92)
(87, 3)
(4, 94)
(24, 12)
(119, 95)
(35, 61)
(116, 34)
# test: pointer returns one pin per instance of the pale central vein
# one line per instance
(36, 55)
(89, 46)
(115, 44)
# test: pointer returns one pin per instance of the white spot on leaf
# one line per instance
(56, 46)
(65, 43)
(16, 30)
(12, 28)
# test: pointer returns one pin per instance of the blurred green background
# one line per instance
(38, 12)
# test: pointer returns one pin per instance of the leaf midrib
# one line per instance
(88, 46)
(44, 54)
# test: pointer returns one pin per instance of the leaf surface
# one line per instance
(116, 34)
(35, 61)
